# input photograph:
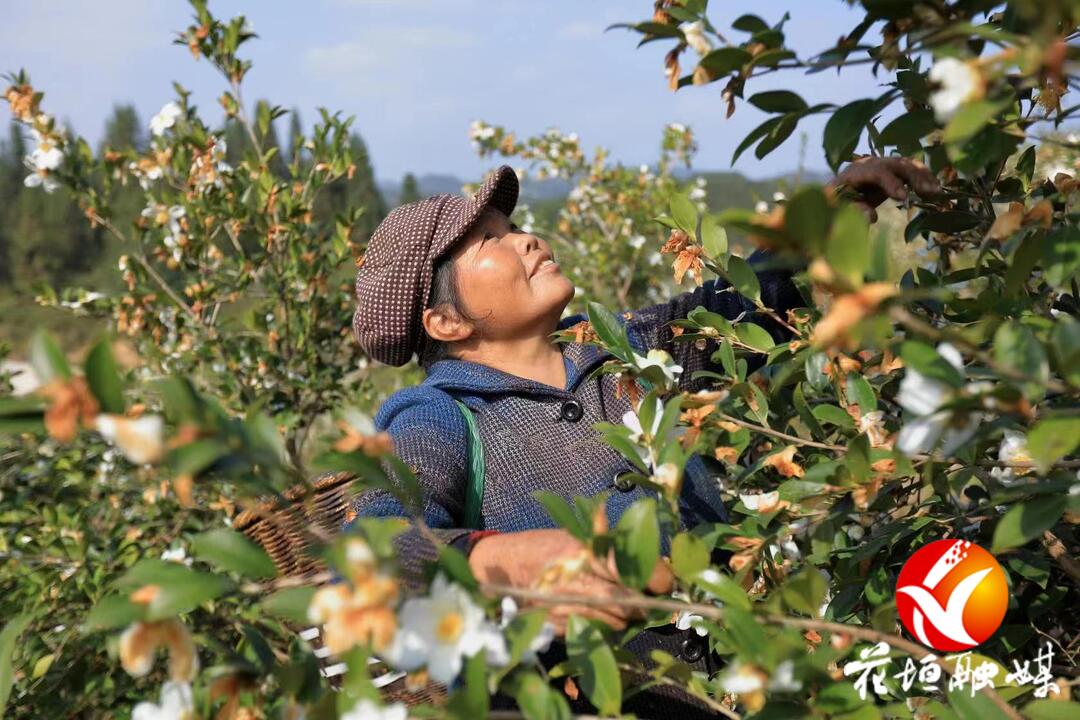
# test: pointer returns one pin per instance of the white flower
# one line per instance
(958, 83)
(175, 704)
(41, 178)
(677, 127)
(1013, 451)
(178, 555)
(661, 359)
(761, 207)
(741, 679)
(139, 439)
(687, 620)
(440, 629)
(368, 710)
(165, 118)
(637, 241)
(923, 397)
(779, 196)
(540, 643)
(695, 37)
(46, 156)
(872, 424)
(783, 680)
(760, 500)
(632, 420)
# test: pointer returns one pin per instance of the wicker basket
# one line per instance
(284, 532)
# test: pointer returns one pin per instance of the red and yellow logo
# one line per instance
(952, 595)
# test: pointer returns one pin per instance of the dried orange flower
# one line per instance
(139, 642)
(847, 311)
(784, 462)
(71, 404)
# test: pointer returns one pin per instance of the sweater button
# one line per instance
(693, 647)
(623, 483)
(571, 411)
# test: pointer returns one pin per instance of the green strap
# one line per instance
(474, 493)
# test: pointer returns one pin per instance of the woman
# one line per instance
(457, 283)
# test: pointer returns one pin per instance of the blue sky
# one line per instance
(415, 73)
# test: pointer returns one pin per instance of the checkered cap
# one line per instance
(393, 282)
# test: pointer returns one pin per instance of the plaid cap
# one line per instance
(393, 283)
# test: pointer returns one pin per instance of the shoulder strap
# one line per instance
(474, 493)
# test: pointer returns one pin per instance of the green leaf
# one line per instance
(1052, 439)
(755, 336)
(778, 101)
(689, 555)
(563, 515)
(1027, 520)
(637, 543)
(848, 246)
(975, 706)
(907, 129)
(536, 699)
(113, 611)
(600, 680)
(723, 587)
(471, 700)
(9, 636)
(48, 361)
(610, 330)
(289, 604)
(1016, 347)
(181, 589)
(743, 279)
(1062, 261)
(748, 635)
(750, 23)
(713, 237)
(754, 135)
(1052, 710)
(970, 119)
(844, 129)
(926, 360)
(776, 137)
(860, 391)
(806, 218)
(684, 213)
(229, 550)
(836, 416)
(1065, 343)
(724, 60)
(805, 592)
(103, 377)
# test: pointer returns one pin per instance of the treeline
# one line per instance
(45, 240)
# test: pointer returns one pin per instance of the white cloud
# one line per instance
(368, 65)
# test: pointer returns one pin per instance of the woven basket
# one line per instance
(284, 532)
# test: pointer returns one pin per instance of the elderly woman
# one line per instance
(506, 411)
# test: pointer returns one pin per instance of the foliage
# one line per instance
(944, 405)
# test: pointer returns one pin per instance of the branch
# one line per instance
(1060, 553)
(714, 613)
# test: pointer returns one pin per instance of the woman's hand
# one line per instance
(878, 178)
(558, 562)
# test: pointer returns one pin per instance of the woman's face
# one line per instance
(506, 278)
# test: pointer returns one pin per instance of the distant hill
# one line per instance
(724, 188)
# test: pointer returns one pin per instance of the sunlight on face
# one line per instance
(507, 279)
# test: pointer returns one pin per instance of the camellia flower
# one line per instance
(661, 359)
(442, 628)
(1013, 451)
(746, 681)
(141, 639)
(958, 83)
(762, 502)
(695, 37)
(924, 397)
(362, 613)
(669, 478)
(368, 710)
(140, 439)
(639, 435)
(175, 703)
(40, 178)
(165, 118)
(46, 154)
(872, 424)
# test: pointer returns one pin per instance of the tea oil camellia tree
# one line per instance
(893, 415)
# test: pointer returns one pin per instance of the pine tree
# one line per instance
(410, 190)
(123, 130)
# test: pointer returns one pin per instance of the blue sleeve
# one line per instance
(430, 436)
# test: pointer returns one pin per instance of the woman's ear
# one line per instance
(444, 324)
